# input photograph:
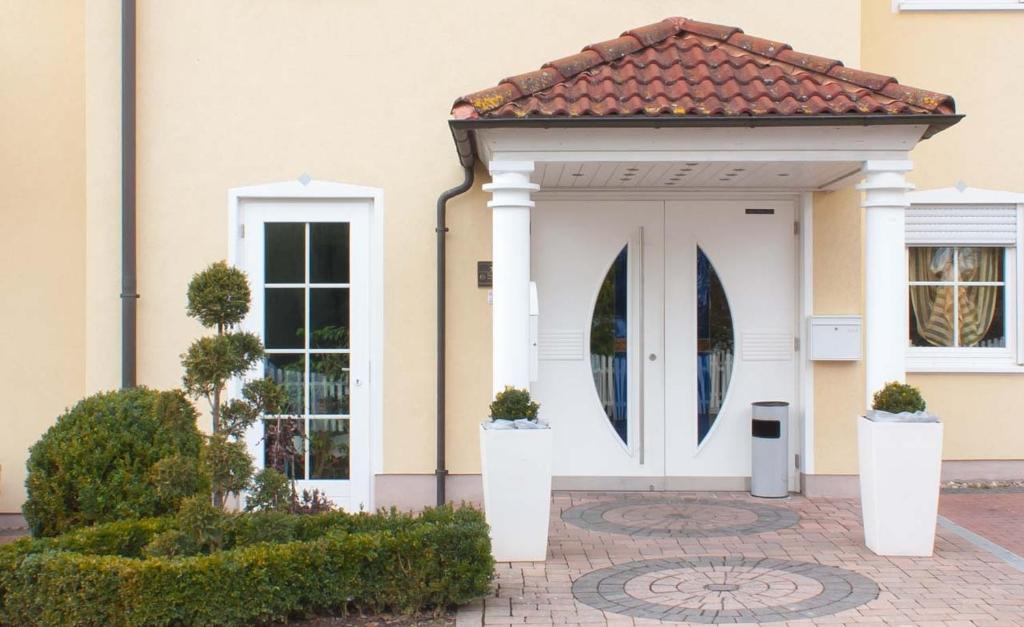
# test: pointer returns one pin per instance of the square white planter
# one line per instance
(516, 467)
(900, 469)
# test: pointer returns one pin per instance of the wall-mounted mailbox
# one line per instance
(834, 338)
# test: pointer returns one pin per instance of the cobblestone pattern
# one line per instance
(715, 590)
(960, 586)
(666, 518)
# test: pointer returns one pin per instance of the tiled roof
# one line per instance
(680, 67)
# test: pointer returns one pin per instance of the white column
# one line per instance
(510, 214)
(885, 272)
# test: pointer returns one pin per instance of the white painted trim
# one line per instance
(688, 193)
(806, 374)
(957, 5)
(820, 143)
(966, 196)
(315, 190)
(1019, 286)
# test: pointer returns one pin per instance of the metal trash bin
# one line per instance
(769, 428)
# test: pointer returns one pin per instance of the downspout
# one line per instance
(441, 472)
(129, 294)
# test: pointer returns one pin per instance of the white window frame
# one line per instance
(979, 359)
(957, 5)
(362, 494)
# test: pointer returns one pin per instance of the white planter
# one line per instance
(516, 466)
(900, 468)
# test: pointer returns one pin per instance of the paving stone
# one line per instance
(960, 584)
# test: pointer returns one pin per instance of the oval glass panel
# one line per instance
(715, 343)
(609, 343)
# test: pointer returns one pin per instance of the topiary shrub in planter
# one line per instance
(270, 567)
(513, 404)
(899, 450)
(898, 397)
(515, 462)
(100, 461)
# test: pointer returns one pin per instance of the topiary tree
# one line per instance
(898, 397)
(101, 461)
(513, 404)
(218, 297)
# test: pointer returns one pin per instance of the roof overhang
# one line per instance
(465, 132)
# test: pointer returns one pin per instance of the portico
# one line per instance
(692, 132)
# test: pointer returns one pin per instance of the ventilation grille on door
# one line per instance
(767, 346)
(560, 345)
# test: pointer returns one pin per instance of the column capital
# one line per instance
(885, 184)
(503, 167)
(887, 165)
(510, 184)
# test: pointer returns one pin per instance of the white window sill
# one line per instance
(962, 364)
(957, 5)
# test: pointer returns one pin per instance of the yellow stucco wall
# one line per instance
(837, 288)
(42, 241)
(238, 93)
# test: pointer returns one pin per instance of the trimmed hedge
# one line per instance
(95, 464)
(325, 564)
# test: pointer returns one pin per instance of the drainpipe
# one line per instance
(129, 294)
(441, 472)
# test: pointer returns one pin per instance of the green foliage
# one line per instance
(898, 397)
(513, 404)
(602, 327)
(177, 477)
(96, 464)
(228, 465)
(211, 361)
(278, 567)
(270, 491)
(218, 296)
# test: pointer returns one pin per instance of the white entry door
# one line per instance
(308, 266)
(730, 325)
(660, 322)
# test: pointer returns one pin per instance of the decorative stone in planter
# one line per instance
(900, 456)
(515, 460)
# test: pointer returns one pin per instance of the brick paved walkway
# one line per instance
(997, 515)
(612, 575)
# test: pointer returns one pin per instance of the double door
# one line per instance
(660, 322)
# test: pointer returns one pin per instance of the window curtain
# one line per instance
(933, 304)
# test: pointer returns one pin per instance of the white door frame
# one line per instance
(307, 190)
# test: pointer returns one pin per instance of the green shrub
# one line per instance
(898, 397)
(513, 404)
(271, 490)
(281, 567)
(96, 463)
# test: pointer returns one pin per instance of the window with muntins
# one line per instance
(963, 303)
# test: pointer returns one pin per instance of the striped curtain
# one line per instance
(933, 304)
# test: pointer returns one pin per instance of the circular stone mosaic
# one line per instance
(723, 590)
(666, 518)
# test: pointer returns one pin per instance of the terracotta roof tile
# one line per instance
(682, 67)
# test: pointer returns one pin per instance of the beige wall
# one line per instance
(238, 93)
(838, 288)
(42, 169)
